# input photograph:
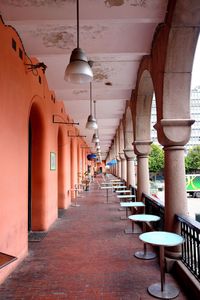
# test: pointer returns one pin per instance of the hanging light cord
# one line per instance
(77, 14)
(95, 109)
(90, 98)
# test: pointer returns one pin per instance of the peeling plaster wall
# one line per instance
(22, 90)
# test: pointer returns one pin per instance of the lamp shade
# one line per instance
(78, 70)
(111, 162)
(91, 156)
(95, 138)
(91, 123)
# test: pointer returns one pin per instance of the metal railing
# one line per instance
(190, 230)
(133, 190)
(154, 207)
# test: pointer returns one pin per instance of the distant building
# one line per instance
(153, 122)
(195, 115)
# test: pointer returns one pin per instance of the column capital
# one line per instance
(122, 155)
(117, 157)
(129, 154)
(142, 148)
(174, 131)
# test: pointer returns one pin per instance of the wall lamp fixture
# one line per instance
(67, 123)
(32, 67)
(76, 135)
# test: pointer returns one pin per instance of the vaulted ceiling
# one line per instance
(115, 34)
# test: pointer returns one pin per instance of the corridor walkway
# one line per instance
(85, 256)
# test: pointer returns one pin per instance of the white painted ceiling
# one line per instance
(115, 34)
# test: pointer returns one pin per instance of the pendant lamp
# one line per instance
(98, 147)
(91, 121)
(95, 138)
(78, 69)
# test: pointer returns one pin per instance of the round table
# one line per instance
(144, 218)
(162, 239)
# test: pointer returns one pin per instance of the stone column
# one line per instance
(118, 166)
(142, 149)
(123, 166)
(173, 135)
(130, 157)
(175, 186)
(115, 169)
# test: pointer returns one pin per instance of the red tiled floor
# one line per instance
(85, 256)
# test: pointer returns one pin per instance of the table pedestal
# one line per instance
(162, 290)
(132, 230)
(107, 197)
(75, 204)
(169, 292)
(145, 254)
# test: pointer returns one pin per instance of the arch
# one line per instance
(128, 133)
(143, 102)
(179, 60)
(175, 75)
(116, 142)
(36, 168)
(121, 137)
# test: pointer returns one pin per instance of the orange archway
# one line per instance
(36, 169)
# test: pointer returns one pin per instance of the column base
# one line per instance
(169, 291)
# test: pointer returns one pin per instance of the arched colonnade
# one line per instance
(167, 74)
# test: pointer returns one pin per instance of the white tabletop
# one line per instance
(117, 182)
(119, 186)
(162, 238)
(132, 204)
(106, 187)
(144, 218)
(125, 196)
(106, 183)
(124, 191)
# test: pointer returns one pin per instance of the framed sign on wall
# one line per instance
(52, 161)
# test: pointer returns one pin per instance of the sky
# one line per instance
(196, 67)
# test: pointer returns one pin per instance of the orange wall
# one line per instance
(21, 97)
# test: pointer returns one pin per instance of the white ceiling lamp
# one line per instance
(98, 148)
(91, 121)
(78, 69)
(95, 138)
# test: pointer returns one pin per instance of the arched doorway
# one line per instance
(36, 170)
(61, 170)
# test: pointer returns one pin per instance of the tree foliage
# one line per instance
(192, 160)
(156, 159)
